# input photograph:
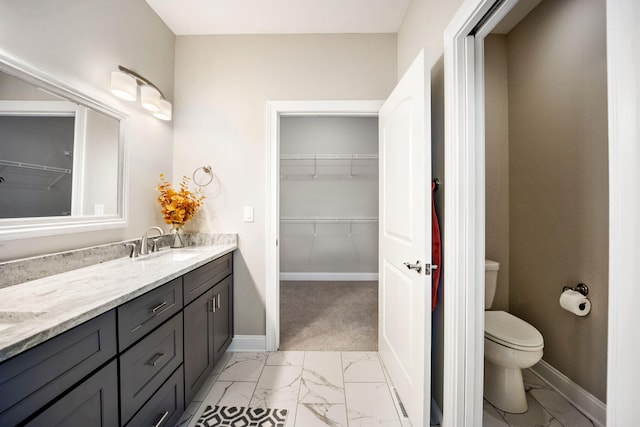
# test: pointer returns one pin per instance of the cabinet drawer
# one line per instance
(165, 407)
(201, 279)
(140, 316)
(93, 403)
(36, 377)
(146, 365)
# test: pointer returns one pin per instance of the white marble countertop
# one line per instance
(36, 311)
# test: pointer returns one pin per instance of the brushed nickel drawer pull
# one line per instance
(158, 307)
(213, 305)
(155, 359)
(159, 423)
(218, 301)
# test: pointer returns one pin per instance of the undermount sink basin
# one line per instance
(12, 318)
(165, 255)
(182, 256)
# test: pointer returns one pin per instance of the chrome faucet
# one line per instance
(144, 247)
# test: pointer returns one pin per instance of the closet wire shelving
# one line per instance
(352, 163)
(32, 166)
(301, 166)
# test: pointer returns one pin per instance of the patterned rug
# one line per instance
(235, 416)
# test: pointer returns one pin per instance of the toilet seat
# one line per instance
(510, 331)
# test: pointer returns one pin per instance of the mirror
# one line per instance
(61, 157)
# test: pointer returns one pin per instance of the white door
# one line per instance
(404, 339)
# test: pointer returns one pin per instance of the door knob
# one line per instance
(417, 267)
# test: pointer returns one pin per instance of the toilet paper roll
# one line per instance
(574, 302)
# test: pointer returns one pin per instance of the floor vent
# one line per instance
(404, 411)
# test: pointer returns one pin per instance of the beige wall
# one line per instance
(423, 28)
(559, 181)
(81, 43)
(222, 85)
(497, 163)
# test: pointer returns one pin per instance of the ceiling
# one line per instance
(190, 17)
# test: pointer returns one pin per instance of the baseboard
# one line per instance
(586, 403)
(329, 277)
(248, 343)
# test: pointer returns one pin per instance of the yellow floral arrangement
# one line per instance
(178, 206)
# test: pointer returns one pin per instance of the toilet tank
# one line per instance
(490, 281)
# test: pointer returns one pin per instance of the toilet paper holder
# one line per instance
(580, 287)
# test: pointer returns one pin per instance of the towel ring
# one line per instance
(206, 181)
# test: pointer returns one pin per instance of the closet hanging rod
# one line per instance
(329, 157)
(34, 166)
(328, 220)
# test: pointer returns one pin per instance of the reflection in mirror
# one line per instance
(61, 157)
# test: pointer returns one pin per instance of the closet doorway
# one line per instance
(328, 233)
(324, 216)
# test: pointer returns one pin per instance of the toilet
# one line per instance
(510, 345)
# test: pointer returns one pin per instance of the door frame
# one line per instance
(275, 110)
(464, 212)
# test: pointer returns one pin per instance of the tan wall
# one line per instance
(423, 27)
(497, 163)
(222, 85)
(559, 181)
(81, 43)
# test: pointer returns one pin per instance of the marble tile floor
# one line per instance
(318, 388)
(330, 388)
(546, 408)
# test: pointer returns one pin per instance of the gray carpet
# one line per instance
(329, 316)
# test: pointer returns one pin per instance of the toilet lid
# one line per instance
(510, 331)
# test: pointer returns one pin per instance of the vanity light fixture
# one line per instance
(149, 98)
(124, 84)
(164, 113)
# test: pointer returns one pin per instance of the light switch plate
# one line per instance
(248, 214)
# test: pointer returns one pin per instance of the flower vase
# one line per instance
(177, 235)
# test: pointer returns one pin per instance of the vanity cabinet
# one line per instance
(165, 407)
(203, 278)
(148, 364)
(139, 364)
(222, 318)
(38, 376)
(145, 313)
(208, 321)
(93, 403)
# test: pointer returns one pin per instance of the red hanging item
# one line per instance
(435, 251)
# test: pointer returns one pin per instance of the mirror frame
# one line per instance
(18, 228)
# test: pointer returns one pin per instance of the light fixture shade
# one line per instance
(124, 86)
(165, 110)
(150, 98)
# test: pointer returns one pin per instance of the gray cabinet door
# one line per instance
(33, 379)
(222, 317)
(198, 344)
(92, 403)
